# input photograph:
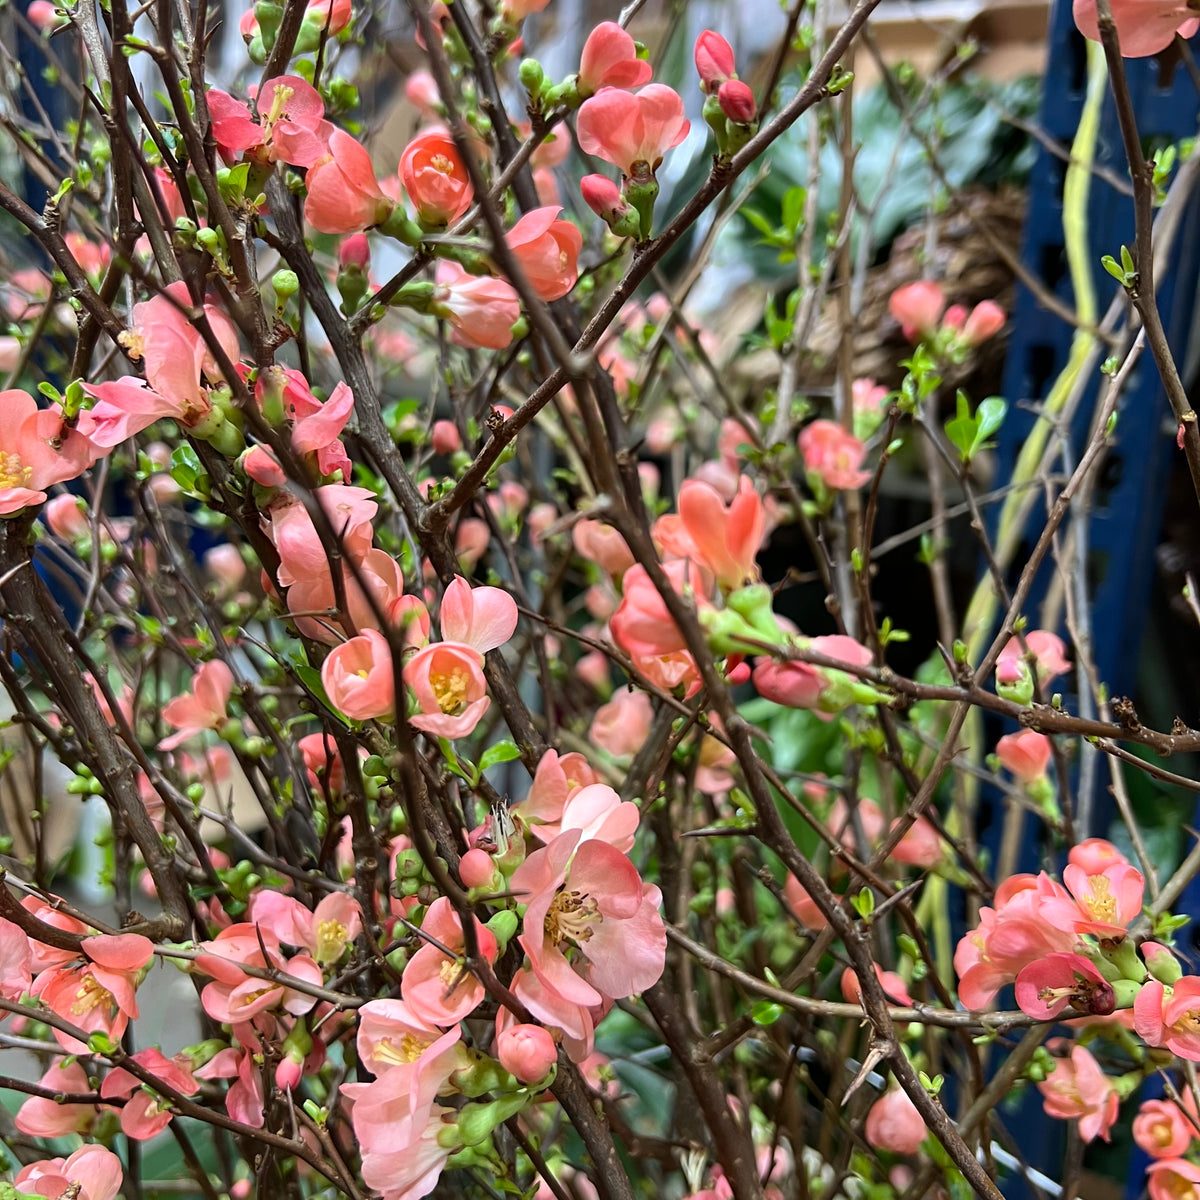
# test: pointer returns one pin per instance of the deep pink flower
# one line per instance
(628, 128)
(290, 125)
(1047, 985)
(589, 895)
(802, 685)
(1144, 27)
(1078, 1089)
(714, 60)
(205, 707)
(737, 101)
(833, 455)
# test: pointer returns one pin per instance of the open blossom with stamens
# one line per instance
(1170, 1016)
(36, 451)
(437, 987)
(1102, 904)
(290, 127)
(324, 931)
(1173, 1179)
(726, 537)
(391, 1037)
(585, 899)
(1163, 1128)
(1048, 985)
(359, 679)
(1078, 1089)
(547, 250)
(436, 179)
(447, 680)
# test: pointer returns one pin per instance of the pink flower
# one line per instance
(802, 685)
(737, 101)
(574, 1022)
(893, 986)
(556, 779)
(36, 451)
(804, 907)
(42, 1117)
(16, 959)
(392, 1038)
(726, 538)
(450, 689)
(1144, 27)
(595, 811)
(436, 179)
(620, 727)
(918, 307)
(1008, 938)
(481, 310)
(95, 1171)
(145, 1115)
(1078, 1089)
(1173, 1178)
(358, 677)
(603, 545)
(526, 1051)
(482, 618)
(324, 931)
(1162, 1129)
(605, 199)
(1170, 1016)
(832, 455)
(1102, 904)
(205, 708)
(642, 625)
(894, 1124)
(1047, 649)
(610, 60)
(244, 1100)
(632, 128)
(921, 845)
(714, 60)
(1047, 985)
(343, 193)
(290, 127)
(437, 987)
(444, 437)
(590, 896)
(986, 320)
(547, 250)
(1095, 855)
(1026, 754)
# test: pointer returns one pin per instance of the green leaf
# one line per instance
(766, 1012)
(501, 752)
(759, 222)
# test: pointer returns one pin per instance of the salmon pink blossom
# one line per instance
(632, 130)
(437, 987)
(1026, 755)
(481, 310)
(727, 538)
(391, 1038)
(586, 899)
(145, 1114)
(610, 59)
(447, 680)
(36, 451)
(918, 307)
(1170, 1016)
(1162, 1128)
(1102, 904)
(1173, 1179)
(40, 1116)
(343, 194)
(526, 1051)
(358, 677)
(894, 1124)
(483, 617)
(832, 455)
(1144, 27)
(436, 180)
(290, 127)
(1048, 985)
(95, 1172)
(206, 707)
(714, 60)
(547, 250)
(1078, 1089)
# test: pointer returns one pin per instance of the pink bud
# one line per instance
(986, 320)
(226, 566)
(45, 15)
(444, 437)
(714, 60)
(288, 1074)
(355, 251)
(918, 307)
(955, 317)
(527, 1051)
(477, 870)
(67, 518)
(737, 101)
(602, 196)
(421, 91)
(894, 1124)
(247, 26)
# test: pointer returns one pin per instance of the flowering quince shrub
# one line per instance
(390, 567)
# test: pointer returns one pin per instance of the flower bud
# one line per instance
(986, 320)
(502, 926)
(477, 870)
(714, 60)
(604, 198)
(443, 437)
(894, 1124)
(528, 1051)
(286, 284)
(355, 251)
(737, 102)
(1161, 963)
(67, 517)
